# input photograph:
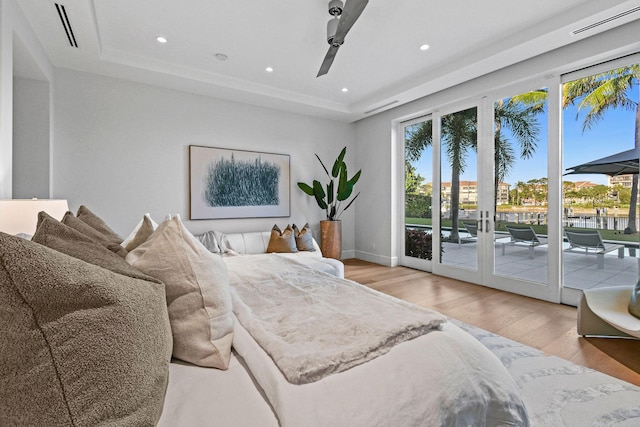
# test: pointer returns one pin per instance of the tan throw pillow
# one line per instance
(80, 345)
(198, 297)
(634, 304)
(88, 217)
(55, 235)
(282, 241)
(73, 222)
(140, 234)
(304, 238)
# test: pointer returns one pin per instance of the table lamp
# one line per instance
(21, 215)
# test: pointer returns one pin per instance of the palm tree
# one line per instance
(459, 135)
(518, 114)
(599, 93)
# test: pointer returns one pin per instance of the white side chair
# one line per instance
(604, 312)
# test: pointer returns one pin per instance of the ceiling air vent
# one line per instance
(66, 24)
(381, 107)
(605, 21)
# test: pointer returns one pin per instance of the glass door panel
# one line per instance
(458, 185)
(418, 172)
(600, 119)
(521, 186)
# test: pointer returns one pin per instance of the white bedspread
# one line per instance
(443, 378)
(313, 324)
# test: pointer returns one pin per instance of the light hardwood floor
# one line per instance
(540, 324)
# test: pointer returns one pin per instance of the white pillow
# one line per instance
(197, 287)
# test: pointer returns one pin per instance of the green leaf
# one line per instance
(339, 163)
(343, 176)
(306, 188)
(345, 192)
(319, 194)
(355, 178)
(330, 192)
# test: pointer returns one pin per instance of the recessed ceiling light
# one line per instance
(344, 89)
(221, 56)
(269, 70)
(161, 39)
(424, 47)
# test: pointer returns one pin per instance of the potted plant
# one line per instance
(330, 198)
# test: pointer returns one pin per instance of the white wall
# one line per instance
(31, 145)
(376, 229)
(122, 150)
(13, 25)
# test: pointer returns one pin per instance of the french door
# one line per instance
(486, 176)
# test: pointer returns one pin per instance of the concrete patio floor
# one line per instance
(579, 270)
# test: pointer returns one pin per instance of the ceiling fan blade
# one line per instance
(350, 13)
(328, 60)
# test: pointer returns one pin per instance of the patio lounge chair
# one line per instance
(590, 242)
(522, 236)
(471, 228)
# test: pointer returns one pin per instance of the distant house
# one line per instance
(469, 192)
(624, 180)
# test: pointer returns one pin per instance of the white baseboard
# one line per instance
(351, 253)
(376, 258)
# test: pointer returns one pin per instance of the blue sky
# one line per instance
(612, 134)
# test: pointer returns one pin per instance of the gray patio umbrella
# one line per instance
(622, 163)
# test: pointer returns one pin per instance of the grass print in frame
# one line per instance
(226, 183)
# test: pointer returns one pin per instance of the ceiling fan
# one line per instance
(338, 27)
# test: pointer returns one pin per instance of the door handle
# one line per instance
(488, 223)
(480, 222)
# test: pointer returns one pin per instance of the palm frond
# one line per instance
(417, 138)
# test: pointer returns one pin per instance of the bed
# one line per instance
(443, 377)
(427, 372)
(92, 339)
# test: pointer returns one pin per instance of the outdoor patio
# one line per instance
(579, 270)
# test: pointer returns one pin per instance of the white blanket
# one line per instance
(313, 324)
(443, 378)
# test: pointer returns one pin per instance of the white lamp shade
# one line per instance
(21, 215)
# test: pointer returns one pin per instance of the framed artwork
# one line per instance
(226, 183)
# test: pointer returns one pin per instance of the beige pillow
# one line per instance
(282, 241)
(52, 233)
(304, 238)
(73, 222)
(197, 287)
(80, 345)
(140, 234)
(89, 218)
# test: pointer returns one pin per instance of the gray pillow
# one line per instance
(634, 304)
(84, 228)
(88, 217)
(80, 345)
(304, 238)
(52, 233)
